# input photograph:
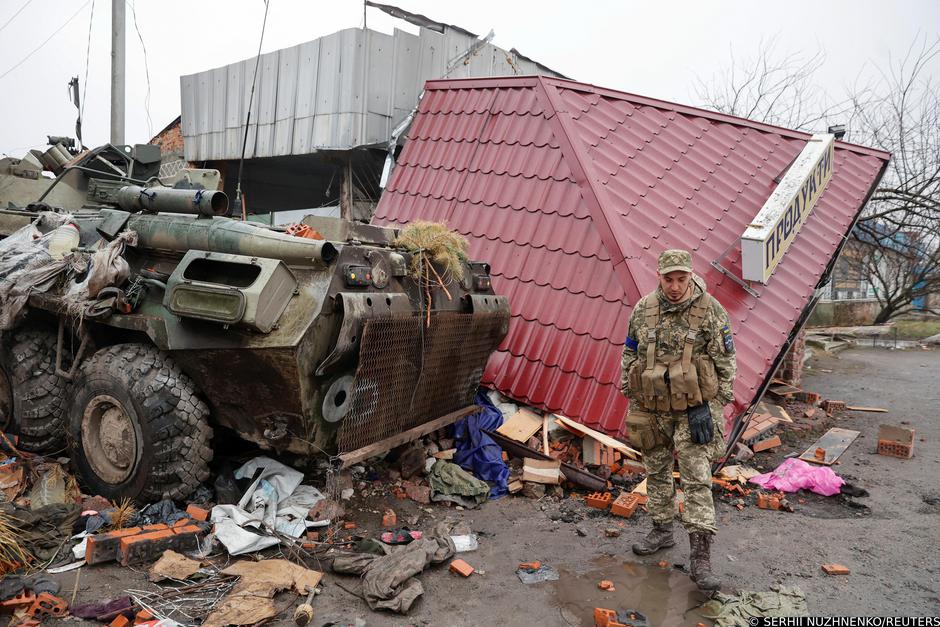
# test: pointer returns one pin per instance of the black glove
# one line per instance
(700, 424)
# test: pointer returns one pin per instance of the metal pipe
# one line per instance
(171, 200)
(117, 72)
(224, 235)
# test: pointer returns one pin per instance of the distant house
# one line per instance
(570, 192)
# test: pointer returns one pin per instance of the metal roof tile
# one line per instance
(665, 176)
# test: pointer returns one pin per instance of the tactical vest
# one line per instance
(674, 384)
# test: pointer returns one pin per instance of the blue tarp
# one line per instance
(477, 452)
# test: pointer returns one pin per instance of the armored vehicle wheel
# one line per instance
(137, 427)
(32, 398)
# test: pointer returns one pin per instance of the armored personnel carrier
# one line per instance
(136, 318)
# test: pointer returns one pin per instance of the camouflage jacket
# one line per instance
(714, 337)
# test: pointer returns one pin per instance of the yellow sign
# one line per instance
(774, 228)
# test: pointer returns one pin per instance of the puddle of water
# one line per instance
(666, 596)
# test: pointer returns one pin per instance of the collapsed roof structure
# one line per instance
(571, 191)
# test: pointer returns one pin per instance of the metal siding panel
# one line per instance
(380, 64)
(266, 89)
(308, 56)
(217, 86)
(406, 86)
(188, 105)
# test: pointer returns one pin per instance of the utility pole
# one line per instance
(117, 72)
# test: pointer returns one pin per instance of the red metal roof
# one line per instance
(571, 191)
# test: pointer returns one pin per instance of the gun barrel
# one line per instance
(225, 235)
(171, 200)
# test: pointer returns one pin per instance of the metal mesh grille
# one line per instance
(410, 374)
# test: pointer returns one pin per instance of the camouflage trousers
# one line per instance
(668, 432)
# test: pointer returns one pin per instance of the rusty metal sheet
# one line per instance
(410, 373)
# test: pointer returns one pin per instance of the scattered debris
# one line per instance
(606, 584)
(612, 532)
(598, 500)
(895, 441)
(766, 445)
(461, 567)
(521, 426)
(604, 617)
(537, 575)
(729, 611)
(172, 565)
(451, 483)
(795, 474)
(542, 471)
(251, 600)
(833, 442)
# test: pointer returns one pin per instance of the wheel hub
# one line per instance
(110, 439)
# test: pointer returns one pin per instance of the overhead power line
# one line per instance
(146, 67)
(13, 17)
(47, 40)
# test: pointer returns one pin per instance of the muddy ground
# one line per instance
(887, 539)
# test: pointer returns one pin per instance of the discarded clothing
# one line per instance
(104, 611)
(274, 502)
(795, 474)
(388, 582)
(45, 530)
(450, 482)
(164, 512)
(477, 452)
(728, 611)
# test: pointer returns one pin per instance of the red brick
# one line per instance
(625, 504)
(389, 519)
(835, 569)
(156, 527)
(599, 500)
(198, 513)
(120, 621)
(461, 568)
(104, 547)
(767, 444)
(149, 546)
(182, 522)
(892, 448)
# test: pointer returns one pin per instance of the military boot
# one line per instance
(700, 556)
(659, 538)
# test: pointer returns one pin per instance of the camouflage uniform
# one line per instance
(669, 430)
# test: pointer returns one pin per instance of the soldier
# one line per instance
(678, 370)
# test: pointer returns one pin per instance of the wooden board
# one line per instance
(521, 426)
(775, 411)
(579, 429)
(835, 441)
(640, 488)
(876, 410)
(542, 471)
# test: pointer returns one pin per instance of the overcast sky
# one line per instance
(655, 49)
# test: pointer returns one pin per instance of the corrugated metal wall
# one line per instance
(347, 89)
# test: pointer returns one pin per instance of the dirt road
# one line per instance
(888, 539)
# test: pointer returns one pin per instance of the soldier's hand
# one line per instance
(700, 423)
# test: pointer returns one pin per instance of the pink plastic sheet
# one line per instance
(795, 474)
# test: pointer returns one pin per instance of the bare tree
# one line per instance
(897, 238)
(773, 87)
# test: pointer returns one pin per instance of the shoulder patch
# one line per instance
(727, 339)
(631, 343)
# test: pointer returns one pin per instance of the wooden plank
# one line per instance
(603, 438)
(546, 471)
(876, 410)
(545, 434)
(834, 441)
(376, 448)
(521, 426)
(640, 488)
(774, 410)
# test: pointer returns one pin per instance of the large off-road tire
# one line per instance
(137, 426)
(33, 398)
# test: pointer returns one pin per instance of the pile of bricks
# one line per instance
(791, 370)
(141, 544)
(761, 427)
